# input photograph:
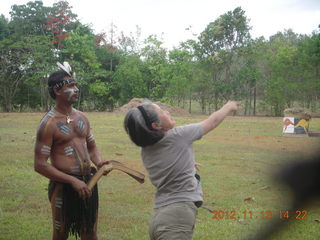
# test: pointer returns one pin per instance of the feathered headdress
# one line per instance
(67, 68)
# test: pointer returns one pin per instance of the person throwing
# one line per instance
(168, 157)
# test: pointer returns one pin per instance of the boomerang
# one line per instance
(117, 166)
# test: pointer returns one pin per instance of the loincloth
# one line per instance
(71, 214)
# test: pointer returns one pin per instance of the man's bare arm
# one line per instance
(43, 151)
(93, 150)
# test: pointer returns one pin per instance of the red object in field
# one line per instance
(314, 134)
(287, 122)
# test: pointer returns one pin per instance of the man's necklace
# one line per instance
(69, 120)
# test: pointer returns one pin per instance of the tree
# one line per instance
(180, 74)
(246, 76)
(282, 75)
(130, 79)
(4, 27)
(29, 19)
(309, 65)
(109, 58)
(130, 45)
(80, 52)
(155, 57)
(229, 32)
(31, 27)
(219, 43)
(60, 22)
(41, 62)
(13, 61)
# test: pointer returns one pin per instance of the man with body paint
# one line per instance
(64, 136)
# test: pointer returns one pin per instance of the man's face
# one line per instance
(70, 92)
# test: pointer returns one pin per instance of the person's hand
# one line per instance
(198, 165)
(101, 164)
(233, 105)
(81, 188)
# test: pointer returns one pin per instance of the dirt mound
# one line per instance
(297, 113)
(133, 103)
(138, 101)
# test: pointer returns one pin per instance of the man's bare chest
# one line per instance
(66, 130)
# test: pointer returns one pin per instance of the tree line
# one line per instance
(224, 62)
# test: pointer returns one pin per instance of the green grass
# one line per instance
(238, 159)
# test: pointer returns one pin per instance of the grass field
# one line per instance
(238, 159)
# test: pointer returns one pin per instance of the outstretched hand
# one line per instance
(217, 117)
(233, 106)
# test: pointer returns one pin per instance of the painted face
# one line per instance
(166, 121)
(72, 92)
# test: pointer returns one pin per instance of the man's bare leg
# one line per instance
(56, 204)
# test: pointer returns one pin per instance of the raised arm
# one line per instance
(217, 117)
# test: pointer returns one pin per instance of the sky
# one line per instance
(169, 19)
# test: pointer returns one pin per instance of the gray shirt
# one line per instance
(171, 166)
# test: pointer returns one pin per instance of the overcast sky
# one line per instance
(170, 18)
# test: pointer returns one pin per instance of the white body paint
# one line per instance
(70, 93)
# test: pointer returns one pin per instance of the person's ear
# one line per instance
(156, 126)
(57, 91)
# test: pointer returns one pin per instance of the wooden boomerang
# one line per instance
(118, 166)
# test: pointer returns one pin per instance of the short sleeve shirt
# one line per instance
(171, 166)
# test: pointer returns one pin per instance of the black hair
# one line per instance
(54, 79)
(136, 124)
